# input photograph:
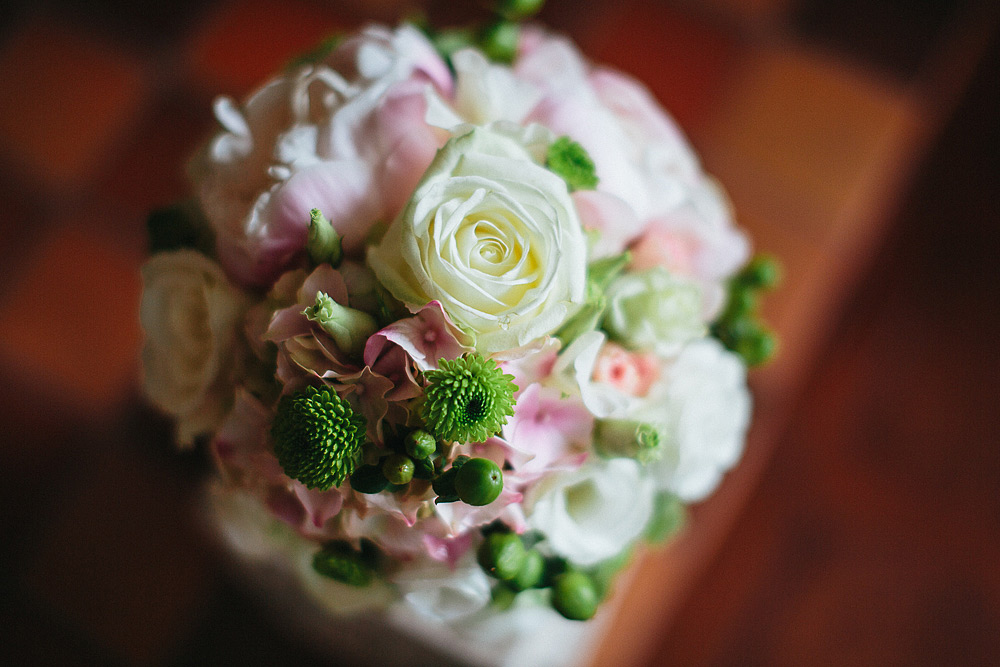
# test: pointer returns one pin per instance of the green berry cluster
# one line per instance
(341, 562)
(409, 458)
(739, 327)
(467, 399)
(474, 481)
(519, 566)
(317, 437)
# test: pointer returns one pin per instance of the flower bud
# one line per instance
(324, 244)
(628, 438)
(348, 327)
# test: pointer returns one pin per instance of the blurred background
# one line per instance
(859, 142)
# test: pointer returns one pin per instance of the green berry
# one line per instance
(467, 399)
(574, 596)
(368, 479)
(742, 302)
(519, 9)
(423, 469)
(501, 555)
(756, 345)
(499, 41)
(763, 272)
(340, 562)
(555, 567)
(317, 437)
(444, 486)
(398, 469)
(420, 444)
(502, 596)
(479, 482)
(531, 573)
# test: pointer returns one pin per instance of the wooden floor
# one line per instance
(873, 534)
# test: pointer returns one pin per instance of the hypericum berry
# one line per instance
(467, 399)
(368, 479)
(420, 444)
(479, 482)
(763, 272)
(502, 596)
(317, 437)
(398, 469)
(532, 572)
(501, 555)
(338, 561)
(499, 41)
(574, 596)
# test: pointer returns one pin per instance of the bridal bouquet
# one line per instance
(460, 319)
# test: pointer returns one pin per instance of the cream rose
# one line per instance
(493, 236)
(190, 314)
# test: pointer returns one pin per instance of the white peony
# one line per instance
(493, 236)
(190, 313)
(702, 409)
(592, 513)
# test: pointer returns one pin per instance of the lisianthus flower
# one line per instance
(443, 592)
(303, 344)
(701, 407)
(593, 513)
(653, 310)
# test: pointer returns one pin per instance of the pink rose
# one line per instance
(628, 372)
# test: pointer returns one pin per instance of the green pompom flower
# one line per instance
(467, 399)
(570, 160)
(317, 437)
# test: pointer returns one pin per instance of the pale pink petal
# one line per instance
(427, 337)
(611, 216)
(547, 427)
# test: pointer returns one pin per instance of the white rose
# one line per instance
(653, 310)
(702, 409)
(594, 512)
(190, 314)
(493, 236)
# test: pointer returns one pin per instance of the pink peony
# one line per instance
(346, 136)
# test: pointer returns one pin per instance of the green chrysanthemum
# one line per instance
(570, 160)
(317, 437)
(467, 399)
